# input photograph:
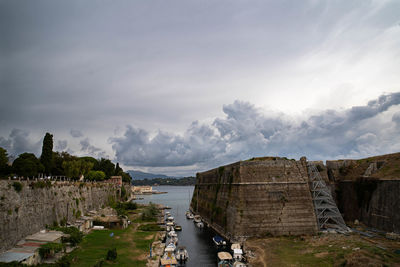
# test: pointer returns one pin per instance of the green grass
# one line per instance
(129, 244)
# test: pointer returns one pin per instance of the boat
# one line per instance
(167, 213)
(174, 240)
(197, 219)
(224, 259)
(200, 225)
(170, 218)
(172, 234)
(189, 216)
(168, 259)
(239, 264)
(182, 255)
(178, 228)
(170, 223)
(219, 241)
(238, 254)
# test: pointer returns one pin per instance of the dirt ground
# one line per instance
(323, 250)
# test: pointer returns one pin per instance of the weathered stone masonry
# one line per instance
(30, 210)
(260, 197)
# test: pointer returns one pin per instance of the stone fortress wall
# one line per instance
(260, 197)
(30, 210)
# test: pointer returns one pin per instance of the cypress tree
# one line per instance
(47, 153)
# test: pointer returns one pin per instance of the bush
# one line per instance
(150, 227)
(75, 236)
(150, 212)
(17, 186)
(49, 249)
(112, 254)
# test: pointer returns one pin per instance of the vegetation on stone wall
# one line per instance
(17, 186)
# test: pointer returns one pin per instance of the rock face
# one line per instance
(259, 197)
(368, 190)
(376, 203)
(31, 209)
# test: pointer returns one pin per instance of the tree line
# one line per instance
(53, 163)
(166, 181)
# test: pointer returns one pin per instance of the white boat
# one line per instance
(172, 234)
(197, 219)
(182, 255)
(224, 259)
(168, 259)
(200, 225)
(238, 254)
(239, 264)
(170, 218)
(174, 240)
(189, 215)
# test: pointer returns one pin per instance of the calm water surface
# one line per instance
(198, 242)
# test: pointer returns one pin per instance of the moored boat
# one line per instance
(168, 259)
(200, 225)
(196, 219)
(224, 259)
(182, 255)
(178, 228)
(219, 241)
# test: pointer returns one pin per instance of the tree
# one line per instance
(126, 177)
(96, 176)
(5, 169)
(76, 168)
(47, 153)
(106, 166)
(118, 170)
(27, 165)
(3, 157)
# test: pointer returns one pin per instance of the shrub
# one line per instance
(17, 186)
(112, 254)
(49, 249)
(75, 236)
(150, 227)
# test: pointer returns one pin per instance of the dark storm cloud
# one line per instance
(67, 64)
(91, 149)
(76, 133)
(19, 142)
(246, 132)
(61, 145)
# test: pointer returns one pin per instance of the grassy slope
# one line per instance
(132, 247)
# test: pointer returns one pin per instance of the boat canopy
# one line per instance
(168, 261)
(224, 256)
(237, 251)
(235, 246)
(218, 239)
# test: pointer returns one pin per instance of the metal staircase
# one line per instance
(328, 214)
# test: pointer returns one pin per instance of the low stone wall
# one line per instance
(256, 198)
(31, 209)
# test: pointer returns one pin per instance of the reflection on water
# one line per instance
(198, 242)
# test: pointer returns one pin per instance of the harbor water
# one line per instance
(198, 242)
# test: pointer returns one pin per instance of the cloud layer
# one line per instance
(246, 131)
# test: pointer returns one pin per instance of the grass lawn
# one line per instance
(132, 247)
(325, 250)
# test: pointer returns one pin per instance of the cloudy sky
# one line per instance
(182, 86)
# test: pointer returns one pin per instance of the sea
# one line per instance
(198, 242)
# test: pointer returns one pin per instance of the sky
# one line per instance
(178, 87)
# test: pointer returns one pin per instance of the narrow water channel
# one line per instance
(198, 242)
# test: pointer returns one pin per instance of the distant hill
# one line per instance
(138, 175)
(166, 181)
